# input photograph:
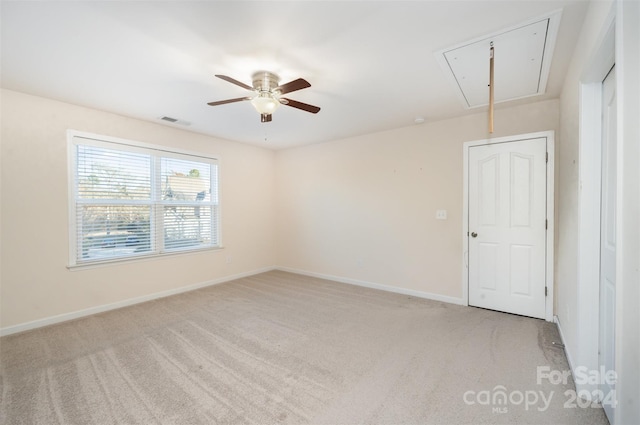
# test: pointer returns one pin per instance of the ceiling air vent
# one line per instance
(174, 120)
(522, 62)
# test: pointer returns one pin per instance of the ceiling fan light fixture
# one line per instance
(265, 104)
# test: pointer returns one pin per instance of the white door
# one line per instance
(608, 235)
(507, 226)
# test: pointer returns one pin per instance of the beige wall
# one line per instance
(364, 208)
(35, 281)
(361, 208)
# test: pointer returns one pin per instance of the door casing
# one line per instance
(549, 135)
(608, 248)
(590, 173)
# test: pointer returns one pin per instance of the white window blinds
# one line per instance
(131, 201)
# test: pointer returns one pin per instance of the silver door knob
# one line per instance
(474, 234)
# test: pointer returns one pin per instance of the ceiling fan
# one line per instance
(266, 97)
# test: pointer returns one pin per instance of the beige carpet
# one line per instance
(282, 348)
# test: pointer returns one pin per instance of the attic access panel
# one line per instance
(522, 61)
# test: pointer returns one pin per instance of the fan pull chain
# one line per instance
(491, 88)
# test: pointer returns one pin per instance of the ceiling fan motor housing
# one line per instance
(265, 81)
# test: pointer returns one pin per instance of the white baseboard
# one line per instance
(566, 347)
(398, 290)
(137, 300)
(586, 390)
(124, 303)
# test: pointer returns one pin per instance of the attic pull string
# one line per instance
(491, 55)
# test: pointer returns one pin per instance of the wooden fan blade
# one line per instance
(265, 117)
(303, 106)
(294, 85)
(222, 102)
(234, 81)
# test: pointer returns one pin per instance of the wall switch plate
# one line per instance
(441, 214)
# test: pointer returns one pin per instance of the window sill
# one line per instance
(139, 259)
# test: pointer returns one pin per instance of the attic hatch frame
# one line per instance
(553, 24)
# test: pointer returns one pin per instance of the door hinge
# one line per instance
(546, 224)
(546, 158)
(546, 291)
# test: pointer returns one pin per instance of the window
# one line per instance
(133, 200)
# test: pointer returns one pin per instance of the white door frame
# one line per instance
(590, 174)
(549, 135)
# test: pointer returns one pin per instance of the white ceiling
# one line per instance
(371, 64)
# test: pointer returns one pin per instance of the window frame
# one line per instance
(157, 204)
